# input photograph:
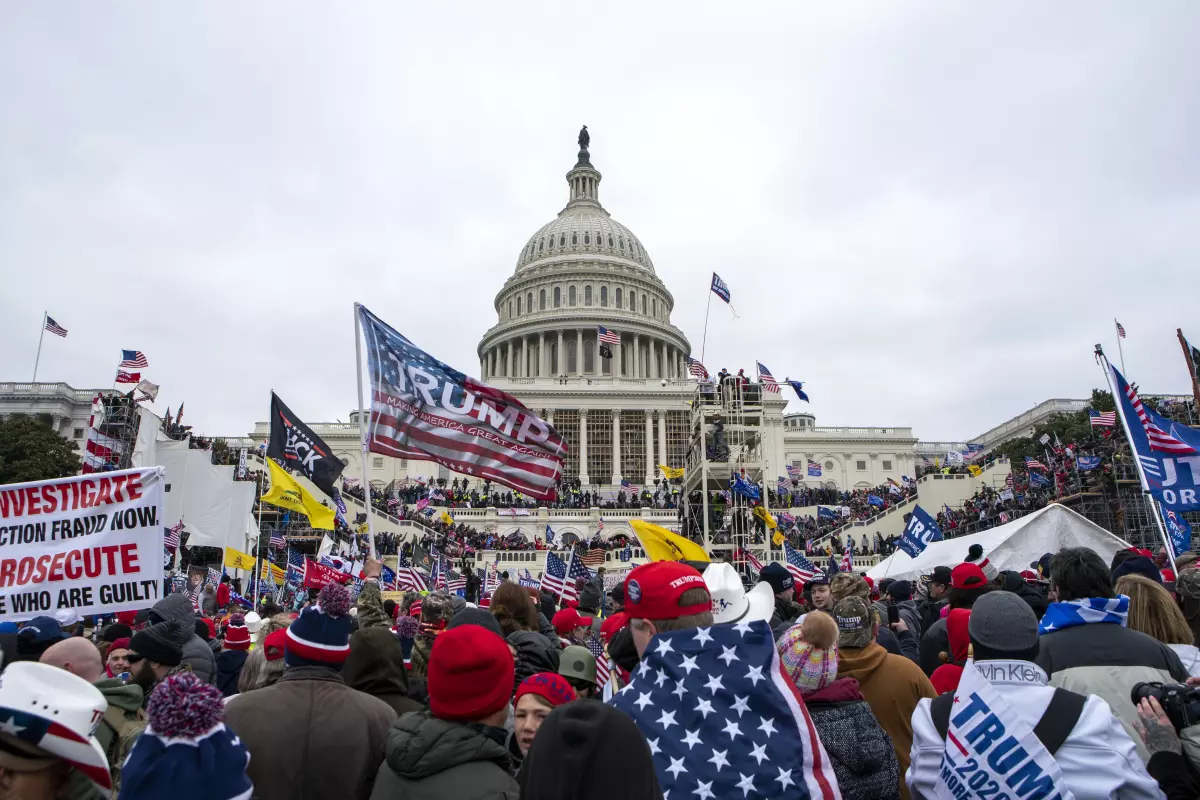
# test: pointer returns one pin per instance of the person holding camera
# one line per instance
(1160, 734)
(1006, 726)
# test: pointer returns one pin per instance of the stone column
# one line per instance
(483, 373)
(616, 448)
(560, 359)
(579, 352)
(583, 473)
(671, 363)
(662, 438)
(508, 362)
(649, 447)
(637, 357)
(618, 358)
(654, 360)
(542, 354)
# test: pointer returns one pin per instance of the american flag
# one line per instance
(847, 557)
(133, 359)
(468, 427)
(295, 566)
(560, 578)
(1033, 463)
(171, 536)
(55, 328)
(455, 582)
(697, 370)
(1120, 329)
(767, 379)
(1102, 419)
(749, 558)
(1160, 440)
(801, 568)
(593, 557)
(1009, 481)
(596, 648)
(627, 486)
(409, 578)
(277, 541)
(723, 688)
(605, 336)
(794, 472)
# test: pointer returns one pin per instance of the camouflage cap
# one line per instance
(1187, 584)
(856, 623)
(436, 607)
(849, 584)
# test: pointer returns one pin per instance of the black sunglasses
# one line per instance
(133, 658)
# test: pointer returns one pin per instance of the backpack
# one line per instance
(125, 732)
(1056, 724)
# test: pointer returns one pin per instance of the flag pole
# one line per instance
(266, 474)
(1120, 350)
(703, 340)
(1187, 357)
(362, 429)
(1154, 510)
(42, 335)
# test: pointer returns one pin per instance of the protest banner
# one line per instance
(92, 543)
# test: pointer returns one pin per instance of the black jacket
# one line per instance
(1013, 582)
(229, 669)
(786, 612)
(930, 612)
(429, 759)
(375, 666)
(535, 653)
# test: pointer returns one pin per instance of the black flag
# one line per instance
(294, 443)
(605, 352)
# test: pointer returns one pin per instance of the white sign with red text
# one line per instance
(93, 543)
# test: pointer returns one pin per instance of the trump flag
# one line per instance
(424, 409)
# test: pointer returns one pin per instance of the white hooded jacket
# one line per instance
(1097, 760)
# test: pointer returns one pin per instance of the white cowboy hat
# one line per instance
(730, 600)
(51, 709)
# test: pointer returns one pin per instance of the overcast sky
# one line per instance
(928, 211)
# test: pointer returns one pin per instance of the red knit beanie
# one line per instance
(470, 674)
(550, 686)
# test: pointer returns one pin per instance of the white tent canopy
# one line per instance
(1012, 545)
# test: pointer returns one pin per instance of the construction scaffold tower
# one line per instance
(112, 434)
(726, 438)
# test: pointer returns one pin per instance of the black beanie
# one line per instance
(161, 642)
(588, 750)
(974, 552)
(622, 650)
(476, 616)
(115, 631)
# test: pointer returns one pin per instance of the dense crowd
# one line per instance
(520, 693)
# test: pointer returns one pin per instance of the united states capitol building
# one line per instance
(621, 416)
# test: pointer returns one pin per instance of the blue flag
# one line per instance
(875, 500)
(549, 535)
(798, 387)
(1037, 479)
(814, 469)
(1179, 530)
(834, 564)
(920, 531)
(741, 486)
(825, 512)
(1086, 463)
(1167, 450)
(722, 688)
(720, 288)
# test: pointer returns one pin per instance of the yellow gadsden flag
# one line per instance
(670, 473)
(236, 559)
(974, 469)
(765, 516)
(286, 493)
(662, 545)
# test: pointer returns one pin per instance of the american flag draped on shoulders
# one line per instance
(424, 409)
(723, 720)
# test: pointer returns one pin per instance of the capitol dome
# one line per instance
(579, 273)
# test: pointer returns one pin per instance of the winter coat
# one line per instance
(430, 759)
(311, 736)
(1013, 582)
(223, 595)
(1107, 660)
(930, 612)
(910, 616)
(1189, 654)
(934, 642)
(535, 653)
(196, 652)
(863, 757)
(1097, 759)
(122, 723)
(229, 669)
(547, 630)
(785, 614)
(893, 686)
(376, 667)
(591, 595)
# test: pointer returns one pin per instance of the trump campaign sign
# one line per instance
(92, 543)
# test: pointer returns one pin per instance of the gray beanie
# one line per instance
(1004, 622)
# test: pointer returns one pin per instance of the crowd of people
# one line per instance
(522, 693)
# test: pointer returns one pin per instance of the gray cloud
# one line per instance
(929, 213)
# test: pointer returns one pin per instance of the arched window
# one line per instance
(562, 240)
(587, 238)
(571, 296)
(529, 302)
(604, 296)
(574, 238)
(643, 304)
(653, 307)
(518, 305)
(621, 242)
(541, 245)
(587, 295)
(510, 309)
(610, 244)
(541, 300)
(557, 296)
(618, 297)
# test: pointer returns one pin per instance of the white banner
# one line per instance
(241, 469)
(93, 543)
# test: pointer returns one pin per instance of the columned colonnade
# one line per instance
(654, 456)
(545, 355)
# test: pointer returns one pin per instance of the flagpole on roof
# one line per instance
(1154, 509)
(42, 335)
(1120, 350)
(1192, 366)
(362, 427)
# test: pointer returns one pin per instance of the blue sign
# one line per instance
(920, 531)
(875, 500)
(825, 512)
(1168, 451)
(1086, 463)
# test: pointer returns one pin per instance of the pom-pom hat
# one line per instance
(57, 712)
(320, 636)
(809, 652)
(237, 635)
(653, 591)
(186, 752)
